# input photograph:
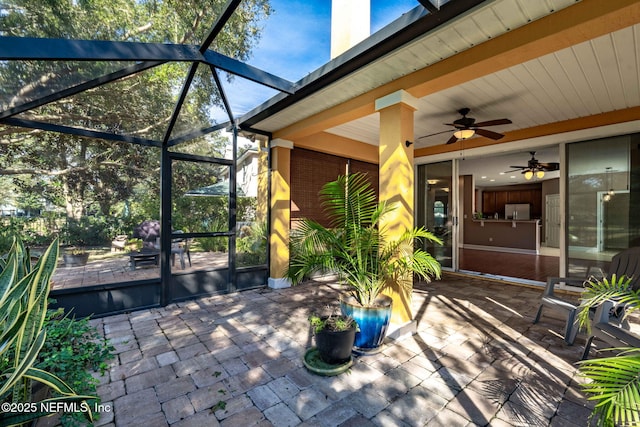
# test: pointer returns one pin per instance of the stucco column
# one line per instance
(396, 176)
(280, 212)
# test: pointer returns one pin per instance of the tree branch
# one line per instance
(30, 87)
(137, 31)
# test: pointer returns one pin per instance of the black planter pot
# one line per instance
(335, 346)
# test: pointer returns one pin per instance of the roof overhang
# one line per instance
(438, 57)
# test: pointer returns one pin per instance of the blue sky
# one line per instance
(296, 41)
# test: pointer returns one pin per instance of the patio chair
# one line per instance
(625, 263)
(614, 330)
(180, 247)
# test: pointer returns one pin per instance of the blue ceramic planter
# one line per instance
(373, 322)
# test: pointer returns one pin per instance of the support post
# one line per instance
(280, 217)
(396, 174)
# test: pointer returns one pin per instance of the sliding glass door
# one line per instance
(436, 209)
(602, 202)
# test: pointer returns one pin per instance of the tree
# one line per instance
(83, 174)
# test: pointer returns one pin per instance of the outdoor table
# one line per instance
(144, 257)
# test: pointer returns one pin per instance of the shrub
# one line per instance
(88, 231)
(251, 246)
(72, 350)
(214, 244)
(24, 290)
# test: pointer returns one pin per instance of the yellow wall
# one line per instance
(339, 146)
(350, 24)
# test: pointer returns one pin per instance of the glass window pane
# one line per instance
(251, 182)
(243, 95)
(202, 106)
(92, 194)
(434, 208)
(200, 197)
(209, 252)
(599, 212)
(26, 81)
(200, 203)
(139, 105)
(215, 145)
(145, 21)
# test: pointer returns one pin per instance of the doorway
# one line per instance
(437, 210)
(552, 221)
(492, 242)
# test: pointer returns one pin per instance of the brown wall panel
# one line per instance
(310, 170)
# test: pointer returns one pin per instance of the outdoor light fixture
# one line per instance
(464, 133)
(611, 192)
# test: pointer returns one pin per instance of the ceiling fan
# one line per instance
(466, 127)
(535, 167)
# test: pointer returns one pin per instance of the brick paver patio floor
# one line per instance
(236, 360)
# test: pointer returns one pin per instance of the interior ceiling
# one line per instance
(496, 170)
(589, 78)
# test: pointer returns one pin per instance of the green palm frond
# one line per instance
(355, 245)
(599, 290)
(615, 386)
(614, 381)
(350, 202)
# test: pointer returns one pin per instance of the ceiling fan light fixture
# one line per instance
(528, 175)
(540, 174)
(464, 133)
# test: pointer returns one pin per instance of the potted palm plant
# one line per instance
(355, 246)
(613, 381)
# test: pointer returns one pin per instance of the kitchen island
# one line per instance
(506, 235)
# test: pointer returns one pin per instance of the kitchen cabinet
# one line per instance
(493, 201)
